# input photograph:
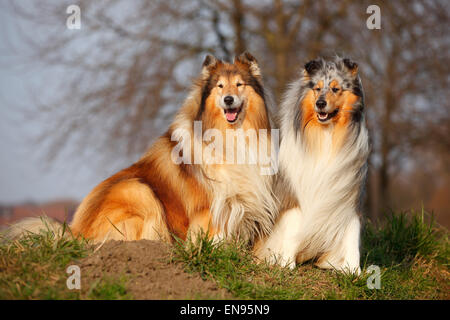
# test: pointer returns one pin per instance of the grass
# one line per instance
(34, 267)
(411, 252)
(109, 289)
(403, 238)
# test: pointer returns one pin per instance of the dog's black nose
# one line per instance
(228, 100)
(321, 104)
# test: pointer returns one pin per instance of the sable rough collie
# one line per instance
(157, 198)
(323, 162)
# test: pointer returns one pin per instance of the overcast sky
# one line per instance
(24, 175)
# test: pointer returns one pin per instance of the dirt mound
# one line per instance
(149, 271)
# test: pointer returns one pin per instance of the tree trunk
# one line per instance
(238, 25)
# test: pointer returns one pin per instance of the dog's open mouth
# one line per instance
(325, 116)
(232, 114)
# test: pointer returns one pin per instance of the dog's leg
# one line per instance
(350, 246)
(282, 244)
(345, 256)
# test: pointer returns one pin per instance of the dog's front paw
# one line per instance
(340, 267)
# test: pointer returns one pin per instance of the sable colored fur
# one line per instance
(156, 198)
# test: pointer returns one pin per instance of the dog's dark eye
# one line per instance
(335, 90)
(238, 84)
(317, 89)
(220, 85)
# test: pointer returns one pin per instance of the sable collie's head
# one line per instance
(332, 92)
(231, 92)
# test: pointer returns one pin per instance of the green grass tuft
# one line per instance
(34, 267)
(109, 289)
(412, 255)
(232, 266)
(402, 238)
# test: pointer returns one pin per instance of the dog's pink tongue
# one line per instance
(231, 115)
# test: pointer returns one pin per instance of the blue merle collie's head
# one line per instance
(331, 92)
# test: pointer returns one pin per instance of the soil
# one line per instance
(148, 270)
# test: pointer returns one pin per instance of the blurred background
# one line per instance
(78, 105)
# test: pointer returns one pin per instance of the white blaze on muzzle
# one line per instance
(231, 109)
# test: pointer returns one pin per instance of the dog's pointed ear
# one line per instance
(351, 66)
(209, 63)
(248, 59)
(312, 66)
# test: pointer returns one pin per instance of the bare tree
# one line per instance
(130, 65)
(407, 68)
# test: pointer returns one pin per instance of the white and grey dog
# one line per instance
(323, 163)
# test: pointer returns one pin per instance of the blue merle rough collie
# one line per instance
(323, 162)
